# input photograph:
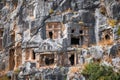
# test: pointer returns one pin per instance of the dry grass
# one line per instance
(107, 58)
(52, 66)
(84, 46)
(74, 69)
(106, 42)
(4, 77)
(51, 11)
(111, 22)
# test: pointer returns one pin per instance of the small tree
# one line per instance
(118, 32)
(95, 71)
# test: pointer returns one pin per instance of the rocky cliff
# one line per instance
(29, 28)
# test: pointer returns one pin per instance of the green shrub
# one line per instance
(95, 71)
(16, 71)
(112, 22)
(51, 11)
(118, 32)
(4, 77)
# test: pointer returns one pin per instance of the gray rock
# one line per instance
(115, 8)
(88, 4)
(21, 75)
(96, 52)
(115, 50)
(10, 74)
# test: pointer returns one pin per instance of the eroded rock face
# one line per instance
(3, 61)
(115, 10)
(115, 50)
(96, 52)
(28, 27)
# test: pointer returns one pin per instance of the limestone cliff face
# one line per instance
(57, 24)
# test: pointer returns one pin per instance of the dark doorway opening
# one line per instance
(107, 37)
(72, 31)
(72, 59)
(49, 61)
(1, 33)
(11, 59)
(51, 34)
(81, 31)
(13, 37)
(33, 55)
(74, 41)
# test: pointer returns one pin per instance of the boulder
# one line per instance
(96, 52)
(115, 9)
(115, 50)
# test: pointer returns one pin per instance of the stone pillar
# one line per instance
(56, 58)
(18, 57)
(65, 57)
(23, 56)
(59, 59)
(75, 58)
(27, 54)
(18, 51)
(30, 54)
(15, 55)
(38, 60)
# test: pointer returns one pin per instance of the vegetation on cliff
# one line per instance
(95, 71)
(4, 78)
(118, 31)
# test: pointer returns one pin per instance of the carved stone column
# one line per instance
(23, 56)
(38, 60)
(75, 58)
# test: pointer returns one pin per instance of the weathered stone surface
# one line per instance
(114, 51)
(115, 8)
(96, 52)
(67, 31)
